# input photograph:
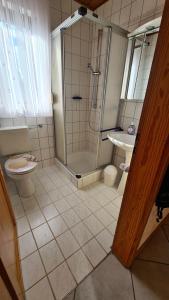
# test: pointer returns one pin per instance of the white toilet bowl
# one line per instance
(21, 170)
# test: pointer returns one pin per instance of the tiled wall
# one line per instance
(130, 14)
(61, 10)
(77, 83)
(41, 132)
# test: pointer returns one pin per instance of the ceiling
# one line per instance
(91, 4)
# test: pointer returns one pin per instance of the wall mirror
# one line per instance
(140, 53)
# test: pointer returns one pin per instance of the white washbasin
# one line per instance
(122, 140)
(126, 142)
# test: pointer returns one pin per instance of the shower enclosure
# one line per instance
(88, 57)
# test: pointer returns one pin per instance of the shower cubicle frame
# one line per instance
(84, 12)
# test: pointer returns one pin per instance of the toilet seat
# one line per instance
(24, 166)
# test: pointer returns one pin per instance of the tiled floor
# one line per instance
(148, 278)
(63, 233)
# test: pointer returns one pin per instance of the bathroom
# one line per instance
(95, 76)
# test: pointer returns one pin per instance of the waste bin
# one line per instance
(110, 174)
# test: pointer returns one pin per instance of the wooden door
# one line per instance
(11, 280)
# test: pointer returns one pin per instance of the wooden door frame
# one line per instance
(151, 154)
(3, 272)
(7, 282)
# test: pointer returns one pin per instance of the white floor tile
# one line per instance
(67, 243)
(101, 199)
(70, 217)
(62, 281)
(58, 182)
(93, 224)
(104, 217)
(73, 187)
(62, 205)
(110, 193)
(49, 186)
(26, 245)
(81, 233)
(79, 265)
(73, 200)
(94, 252)
(22, 226)
(113, 210)
(18, 211)
(51, 256)
(35, 219)
(112, 227)
(40, 291)
(82, 211)
(15, 200)
(42, 235)
(105, 239)
(11, 188)
(117, 201)
(57, 226)
(82, 194)
(39, 190)
(92, 204)
(50, 211)
(65, 190)
(29, 204)
(55, 195)
(32, 269)
(43, 200)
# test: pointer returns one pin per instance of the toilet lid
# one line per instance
(19, 165)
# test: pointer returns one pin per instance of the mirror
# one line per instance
(141, 48)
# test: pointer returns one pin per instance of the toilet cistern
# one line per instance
(126, 142)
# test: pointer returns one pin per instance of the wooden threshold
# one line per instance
(151, 155)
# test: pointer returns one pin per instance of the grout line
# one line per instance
(74, 294)
(51, 287)
(132, 282)
(41, 262)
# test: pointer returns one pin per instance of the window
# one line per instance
(24, 59)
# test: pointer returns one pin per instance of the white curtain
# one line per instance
(25, 81)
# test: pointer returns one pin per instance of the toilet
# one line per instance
(15, 142)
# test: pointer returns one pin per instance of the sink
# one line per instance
(126, 142)
(122, 140)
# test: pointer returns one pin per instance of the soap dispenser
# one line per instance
(131, 129)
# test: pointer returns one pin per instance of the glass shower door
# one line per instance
(58, 96)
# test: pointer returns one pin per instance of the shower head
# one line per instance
(93, 72)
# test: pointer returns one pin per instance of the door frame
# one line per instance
(14, 292)
(151, 154)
